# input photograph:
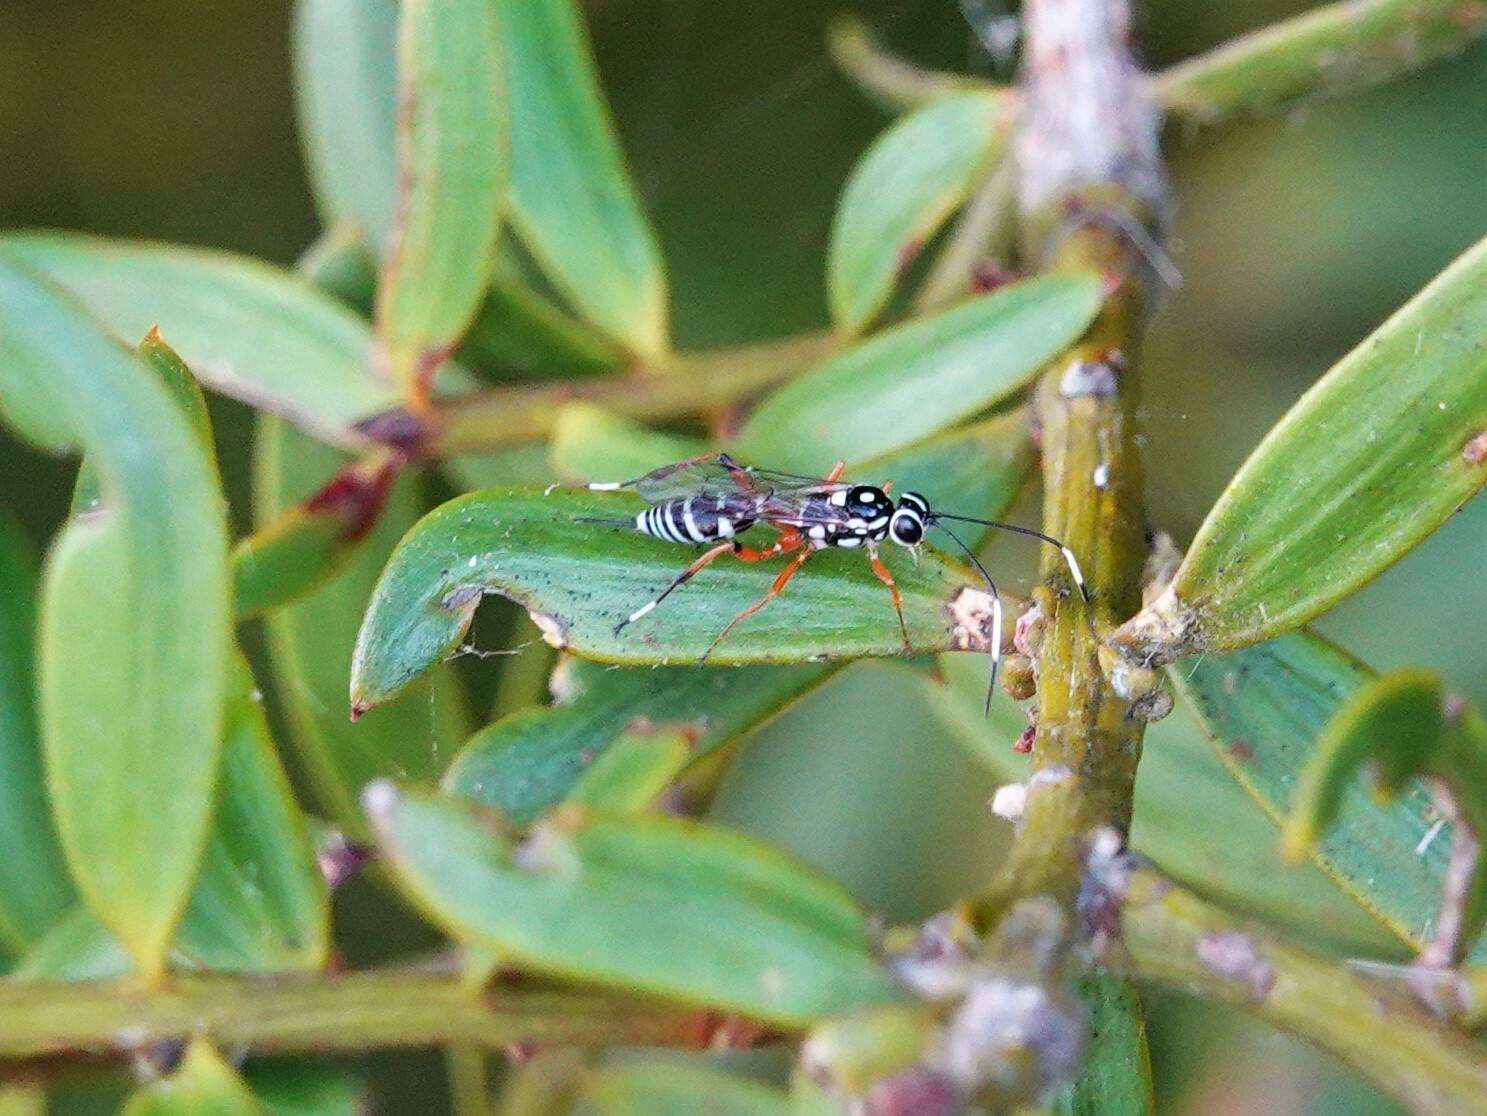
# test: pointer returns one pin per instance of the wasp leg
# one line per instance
(788, 540)
(774, 591)
(681, 579)
(836, 473)
(898, 601)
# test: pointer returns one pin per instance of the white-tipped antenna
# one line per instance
(1069, 559)
(996, 615)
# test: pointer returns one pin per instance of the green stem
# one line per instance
(322, 1013)
(693, 384)
(1332, 50)
(892, 82)
(1178, 939)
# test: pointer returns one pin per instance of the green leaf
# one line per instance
(260, 903)
(346, 93)
(1399, 727)
(134, 616)
(579, 580)
(452, 164)
(22, 1100)
(310, 542)
(1189, 816)
(306, 1087)
(628, 776)
(35, 889)
(1373, 458)
(248, 330)
(202, 1085)
(907, 184)
(1116, 1077)
(1265, 708)
(911, 381)
(311, 640)
(747, 928)
(530, 760)
(669, 1087)
(518, 331)
(572, 201)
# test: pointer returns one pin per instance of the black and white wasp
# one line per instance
(714, 499)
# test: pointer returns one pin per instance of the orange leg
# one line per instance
(789, 539)
(836, 473)
(774, 591)
(681, 579)
(898, 601)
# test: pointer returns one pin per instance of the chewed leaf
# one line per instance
(901, 191)
(572, 201)
(1367, 463)
(134, 615)
(579, 580)
(747, 928)
(916, 379)
(1265, 708)
(528, 761)
(452, 161)
(1400, 727)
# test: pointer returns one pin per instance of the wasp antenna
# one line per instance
(1073, 563)
(996, 612)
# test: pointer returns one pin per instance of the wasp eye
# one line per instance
(906, 529)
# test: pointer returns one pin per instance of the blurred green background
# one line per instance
(172, 119)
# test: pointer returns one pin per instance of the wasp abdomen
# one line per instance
(697, 519)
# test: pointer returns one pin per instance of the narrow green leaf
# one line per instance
(1367, 463)
(260, 903)
(630, 774)
(311, 640)
(517, 331)
(248, 330)
(918, 378)
(1116, 1077)
(748, 929)
(346, 93)
(579, 580)
(35, 889)
(307, 1087)
(572, 201)
(1189, 816)
(1265, 708)
(202, 1085)
(668, 1087)
(907, 184)
(452, 163)
(528, 761)
(310, 542)
(22, 1100)
(135, 617)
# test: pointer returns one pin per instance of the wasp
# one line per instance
(713, 499)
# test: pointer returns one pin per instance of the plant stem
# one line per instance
(323, 1013)
(695, 383)
(1178, 939)
(1335, 49)
(892, 82)
(1090, 175)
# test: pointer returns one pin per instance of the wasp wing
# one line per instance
(719, 476)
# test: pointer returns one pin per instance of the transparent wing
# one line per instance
(720, 476)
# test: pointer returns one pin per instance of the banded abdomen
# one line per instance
(697, 519)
